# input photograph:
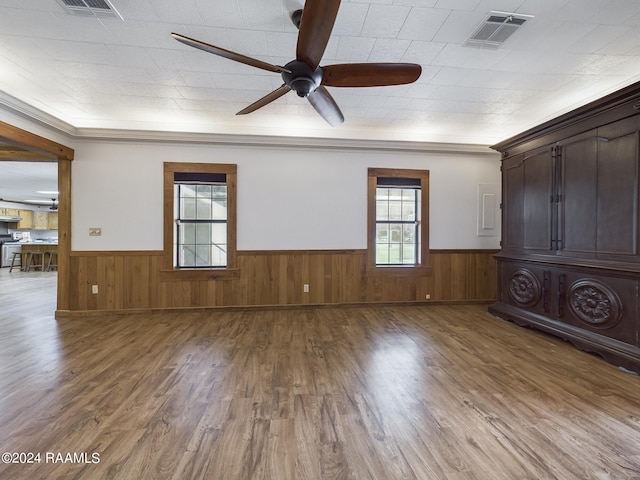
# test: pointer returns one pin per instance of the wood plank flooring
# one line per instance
(416, 392)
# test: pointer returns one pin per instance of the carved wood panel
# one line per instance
(606, 305)
(523, 286)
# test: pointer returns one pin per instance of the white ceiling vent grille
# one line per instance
(98, 8)
(495, 29)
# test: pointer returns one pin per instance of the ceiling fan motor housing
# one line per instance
(296, 17)
(302, 79)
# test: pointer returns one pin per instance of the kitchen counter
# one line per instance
(45, 242)
(38, 247)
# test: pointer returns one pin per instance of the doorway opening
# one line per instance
(20, 148)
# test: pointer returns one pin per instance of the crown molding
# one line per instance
(278, 141)
(34, 114)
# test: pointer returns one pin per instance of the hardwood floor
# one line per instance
(416, 392)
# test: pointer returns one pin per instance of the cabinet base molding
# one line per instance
(618, 353)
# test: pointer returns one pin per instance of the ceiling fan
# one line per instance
(304, 75)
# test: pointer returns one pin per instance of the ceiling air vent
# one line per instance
(495, 29)
(98, 8)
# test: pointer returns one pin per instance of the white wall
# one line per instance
(289, 198)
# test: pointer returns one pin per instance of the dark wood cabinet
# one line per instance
(569, 262)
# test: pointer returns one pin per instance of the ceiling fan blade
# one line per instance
(318, 17)
(370, 74)
(192, 42)
(265, 100)
(326, 106)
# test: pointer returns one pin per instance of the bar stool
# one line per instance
(38, 257)
(18, 256)
(53, 260)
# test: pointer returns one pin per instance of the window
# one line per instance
(398, 204)
(200, 217)
(397, 221)
(201, 220)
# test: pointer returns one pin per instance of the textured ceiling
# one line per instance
(111, 73)
(23, 182)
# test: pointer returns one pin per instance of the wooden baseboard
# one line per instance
(66, 314)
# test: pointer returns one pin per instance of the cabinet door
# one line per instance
(617, 208)
(40, 220)
(27, 220)
(527, 209)
(598, 209)
(53, 220)
(578, 195)
(538, 189)
(513, 203)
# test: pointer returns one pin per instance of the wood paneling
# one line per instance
(133, 280)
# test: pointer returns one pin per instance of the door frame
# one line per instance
(34, 148)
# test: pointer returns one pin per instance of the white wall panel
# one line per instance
(288, 197)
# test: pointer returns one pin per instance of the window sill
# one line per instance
(198, 274)
(408, 271)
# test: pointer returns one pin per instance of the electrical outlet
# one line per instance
(305, 288)
(95, 231)
(427, 296)
(94, 289)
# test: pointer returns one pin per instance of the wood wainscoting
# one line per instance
(133, 280)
